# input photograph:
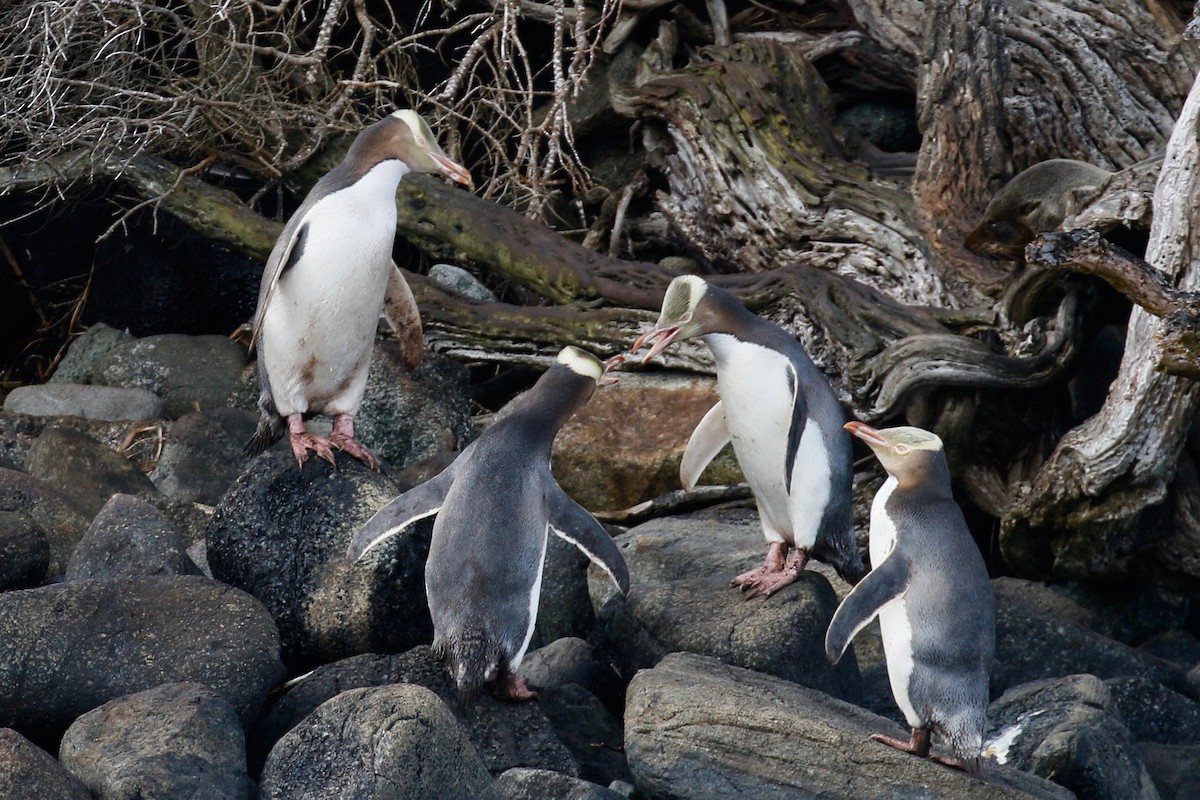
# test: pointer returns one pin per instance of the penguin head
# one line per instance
(405, 136)
(907, 453)
(581, 362)
(683, 316)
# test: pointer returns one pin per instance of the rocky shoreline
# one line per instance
(177, 620)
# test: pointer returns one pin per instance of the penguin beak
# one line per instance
(453, 170)
(612, 365)
(868, 434)
(664, 337)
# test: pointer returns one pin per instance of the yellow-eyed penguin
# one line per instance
(786, 426)
(326, 282)
(930, 589)
(495, 505)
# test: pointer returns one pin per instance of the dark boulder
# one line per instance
(176, 740)
(68, 648)
(281, 533)
(128, 538)
(27, 772)
(366, 744)
(699, 729)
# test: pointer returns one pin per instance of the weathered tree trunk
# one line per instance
(756, 181)
(964, 153)
(1084, 513)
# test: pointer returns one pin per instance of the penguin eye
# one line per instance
(900, 449)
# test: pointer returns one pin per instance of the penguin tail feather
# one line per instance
(270, 427)
(472, 659)
(841, 554)
(269, 431)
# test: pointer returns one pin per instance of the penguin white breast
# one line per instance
(758, 401)
(894, 625)
(320, 326)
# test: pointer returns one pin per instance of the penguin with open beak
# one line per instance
(785, 423)
(929, 587)
(328, 279)
(495, 505)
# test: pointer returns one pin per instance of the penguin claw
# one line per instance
(353, 448)
(303, 443)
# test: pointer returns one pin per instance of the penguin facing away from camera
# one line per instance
(327, 280)
(785, 423)
(930, 589)
(495, 505)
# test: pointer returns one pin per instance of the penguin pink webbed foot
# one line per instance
(774, 573)
(510, 686)
(343, 439)
(302, 441)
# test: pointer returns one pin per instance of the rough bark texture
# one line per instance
(756, 181)
(1080, 516)
(964, 149)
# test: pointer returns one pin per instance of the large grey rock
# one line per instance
(680, 600)
(173, 741)
(202, 455)
(187, 372)
(388, 743)
(79, 364)
(523, 783)
(1154, 713)
(67, 648)
(696, 728)
(56, 515)
(1069, 731)
(1176, 646)
(505, 735)
(83, 400)
(24, 552)
(281, 534)
(406, 417)
(588, 730)
(1174, 768)
(28, 772)
(84, 469)
(559, 663)
(128, 538)
(1033, 645)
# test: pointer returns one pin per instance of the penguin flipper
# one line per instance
(400, 311)
(796, 429)
(572, 522)
(289, 248)
(423, 500)
(881, 585)
(705, 442)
